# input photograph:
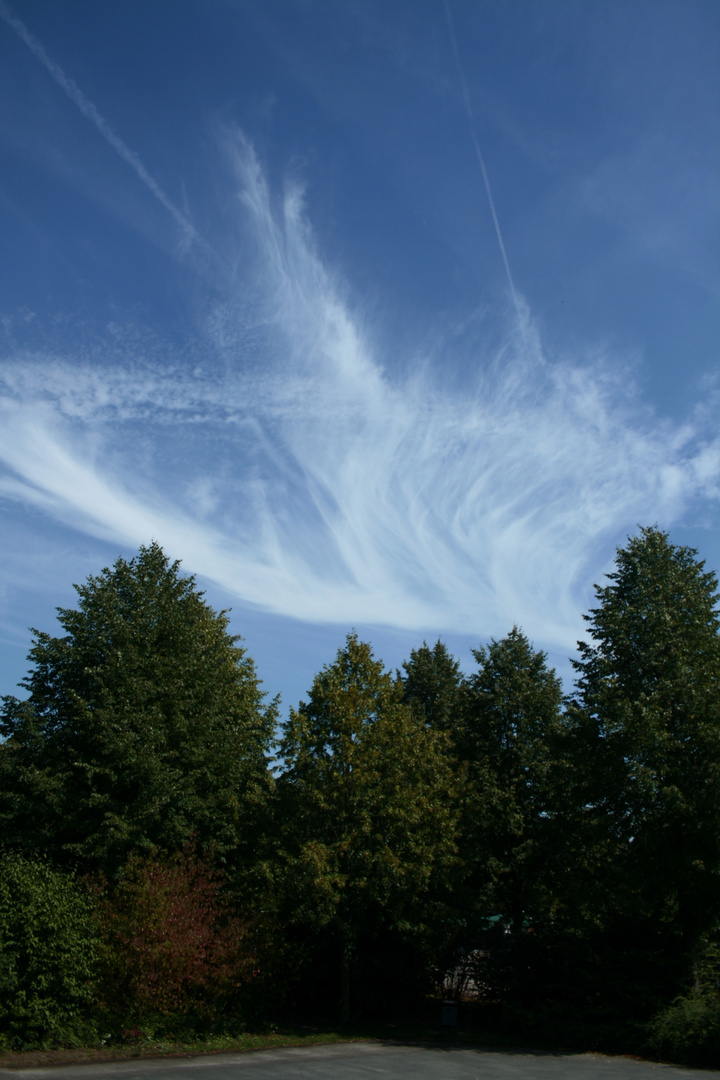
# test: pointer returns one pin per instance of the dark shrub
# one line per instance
(688, 1031)
(175, 955)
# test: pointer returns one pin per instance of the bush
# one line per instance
(48, 956)
(175, 955)
(688, 1031)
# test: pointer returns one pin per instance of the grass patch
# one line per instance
(130, 1048)
(147, 1047)
(142, 1047)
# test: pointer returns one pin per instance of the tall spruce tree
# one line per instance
(646, 727)
(144, 726)
(511, 739)
(433, 686)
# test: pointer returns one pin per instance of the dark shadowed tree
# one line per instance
(368, 807)
(511, 741)
(646, 720)
(144, 726)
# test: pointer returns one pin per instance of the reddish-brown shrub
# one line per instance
(173, 946)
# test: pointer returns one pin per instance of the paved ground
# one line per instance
(371, 1061)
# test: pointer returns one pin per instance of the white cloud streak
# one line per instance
(521, 317)
(311, 482)
(90, 112)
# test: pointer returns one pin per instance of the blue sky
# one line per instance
(393, 315)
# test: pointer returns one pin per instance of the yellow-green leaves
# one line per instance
(367, 795)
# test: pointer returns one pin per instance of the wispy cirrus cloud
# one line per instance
(295, 469)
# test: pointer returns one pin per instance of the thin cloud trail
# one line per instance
(486, 179)
(89, 111)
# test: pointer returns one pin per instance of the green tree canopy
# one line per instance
(368, 806)
(646, 720)
(510, 739)
(433, 686)
(144, 725)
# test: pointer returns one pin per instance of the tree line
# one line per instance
(172, 859)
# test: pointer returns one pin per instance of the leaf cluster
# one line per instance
(49, 951)
(366, 797)
(172, 946)
(143, 726)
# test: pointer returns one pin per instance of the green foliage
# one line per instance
(510, 741)
(433, 686)
(646, 726)
(688, 1031)
(144, 726)
(174, 952)
(367, 792)
(567, 852)
(48, 956)
(367, 804)
(511, 738)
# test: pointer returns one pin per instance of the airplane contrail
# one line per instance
(481, 160)
(88, 110)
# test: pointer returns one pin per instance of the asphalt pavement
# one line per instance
(371, 1061)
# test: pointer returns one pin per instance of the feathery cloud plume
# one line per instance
(296, 471)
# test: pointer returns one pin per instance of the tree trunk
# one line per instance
(345, 979)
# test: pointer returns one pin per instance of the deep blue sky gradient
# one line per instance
(323, 399)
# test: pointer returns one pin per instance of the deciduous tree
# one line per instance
(368, 802)
(144, 725)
